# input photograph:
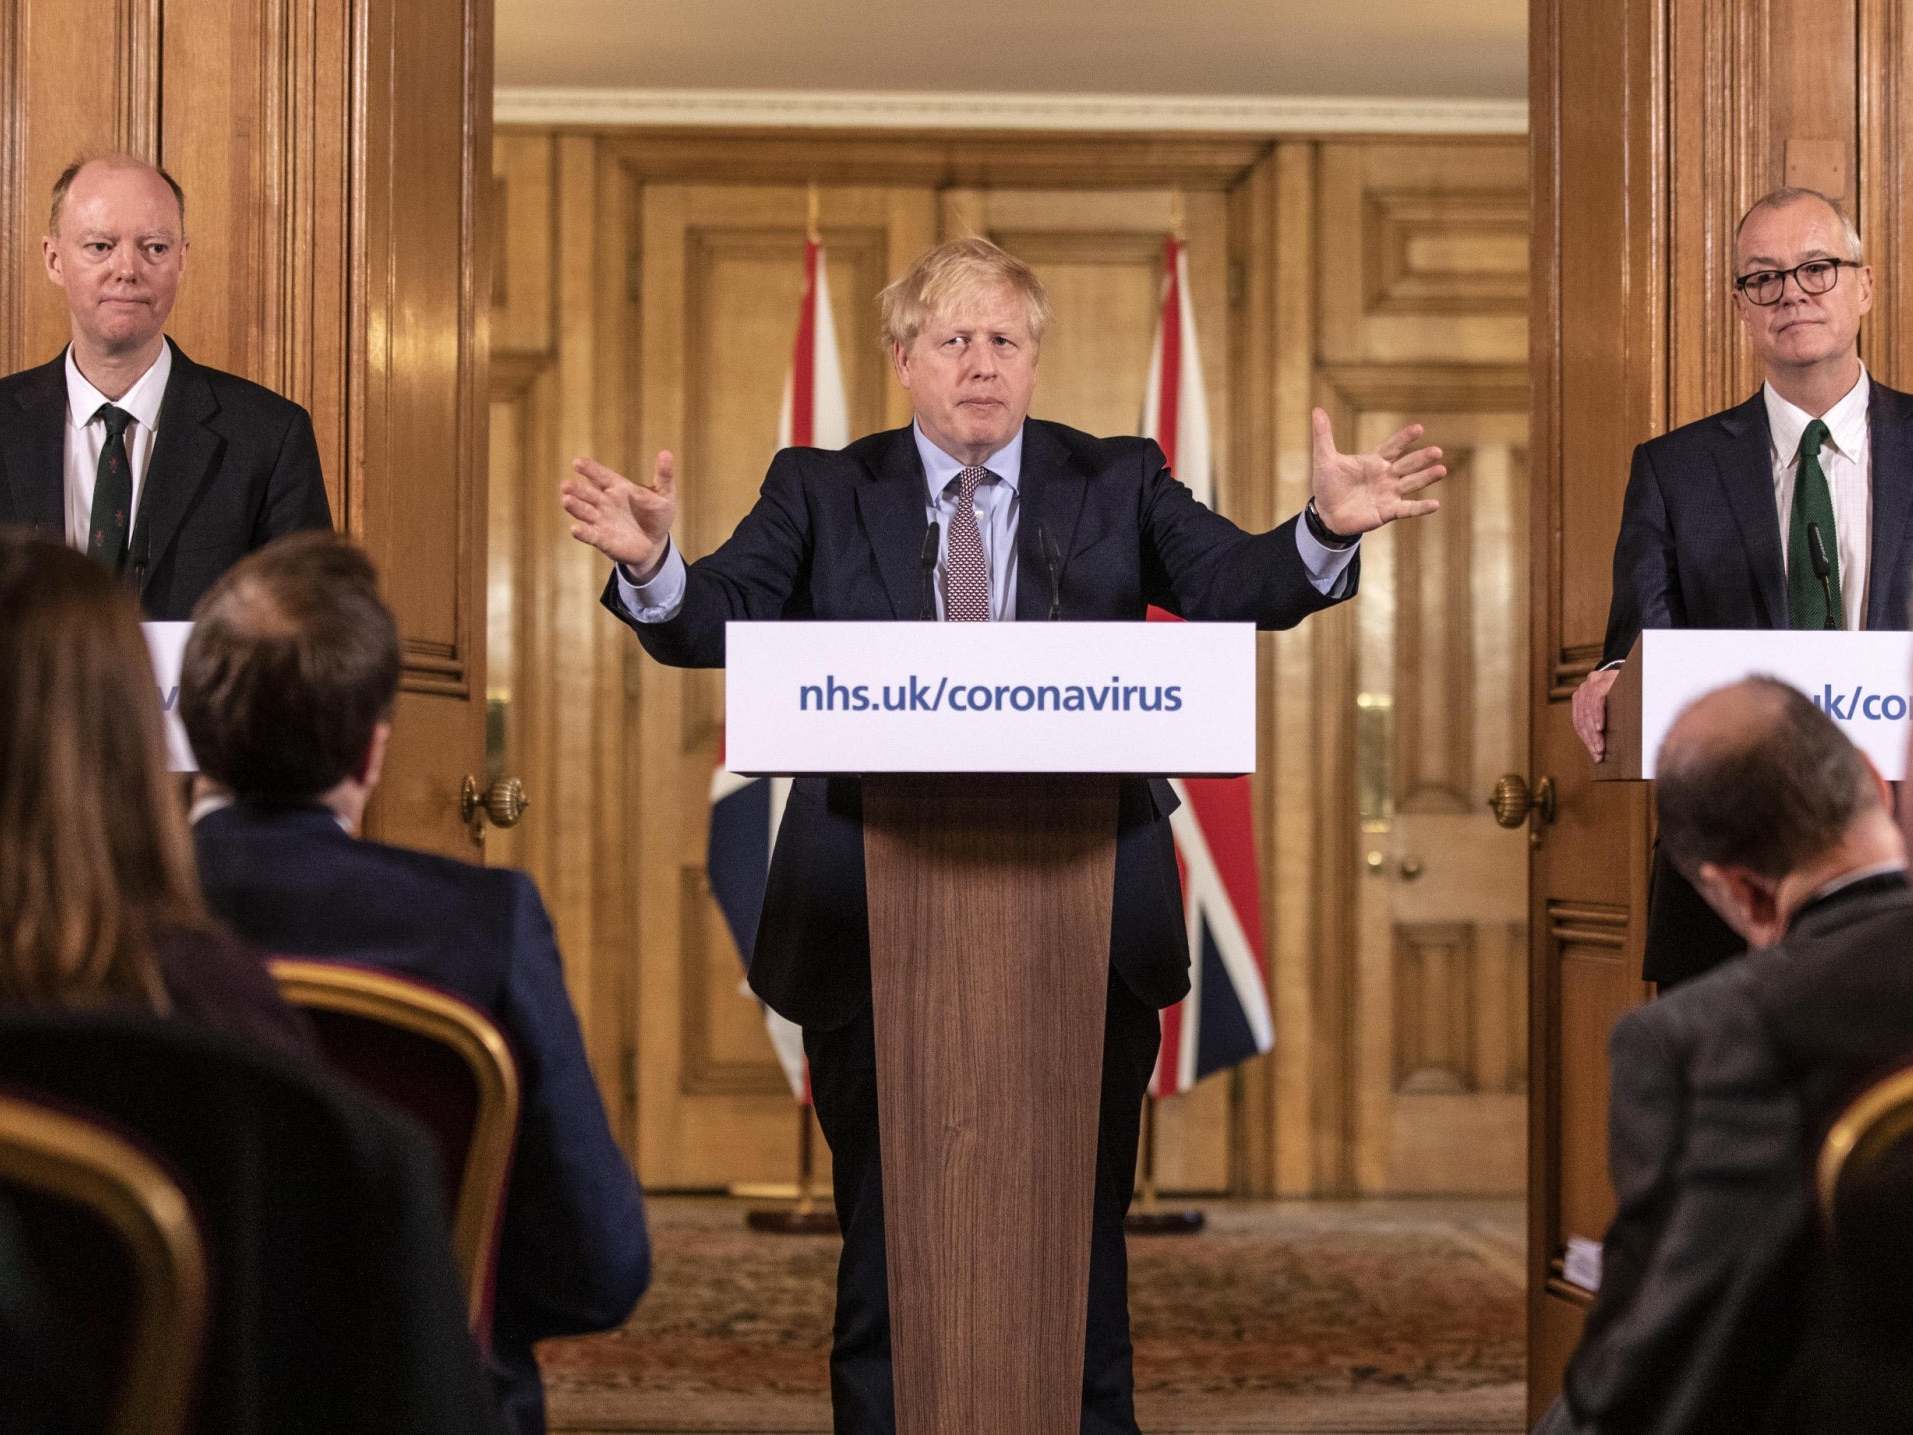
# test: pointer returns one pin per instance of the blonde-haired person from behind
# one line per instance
(100, 904)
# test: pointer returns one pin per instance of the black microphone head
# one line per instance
(1817, 552)
(932, 540)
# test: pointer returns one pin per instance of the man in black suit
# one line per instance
(1032, 517)
(162, 469)
(1721, 517)
(286, 690)
(1716, 1279)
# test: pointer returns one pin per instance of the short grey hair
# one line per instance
(1794, 193)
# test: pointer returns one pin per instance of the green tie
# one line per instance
(1812, 503)
(112, 492)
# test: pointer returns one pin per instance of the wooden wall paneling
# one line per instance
(1885, 178)
(73, 79)
(421, 320)
(1433, 263)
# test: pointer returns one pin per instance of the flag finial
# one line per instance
(811, 207)
(1175, 213)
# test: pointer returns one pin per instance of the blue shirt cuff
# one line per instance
(1327, 567)
(659, 600)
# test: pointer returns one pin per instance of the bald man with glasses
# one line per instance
(1790, 510)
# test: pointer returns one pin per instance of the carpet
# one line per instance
(1281, 1316)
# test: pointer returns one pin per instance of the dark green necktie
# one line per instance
(1812, 503)
(112, 493)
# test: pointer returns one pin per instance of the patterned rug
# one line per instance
(1292, 1316)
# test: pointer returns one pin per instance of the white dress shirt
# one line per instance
(86, 437)
(997, 503)
(1846, 460)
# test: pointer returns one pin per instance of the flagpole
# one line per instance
(806, 1218)
(1148, 1218)
(812, 210)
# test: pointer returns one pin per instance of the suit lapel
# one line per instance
(33, 449)
(1745, 464)
(1050, 494)
(893, 505)
(1891, 459)
(185, 454)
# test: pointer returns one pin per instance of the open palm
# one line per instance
(1359, 492)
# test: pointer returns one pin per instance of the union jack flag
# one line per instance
(1225, 1019)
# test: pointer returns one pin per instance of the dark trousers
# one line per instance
(1685, 937)
(843, 1079)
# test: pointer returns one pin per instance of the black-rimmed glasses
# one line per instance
(1815, 276)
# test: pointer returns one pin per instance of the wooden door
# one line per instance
(720, 278)
(1100, 255)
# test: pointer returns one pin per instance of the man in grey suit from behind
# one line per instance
(1718, 1289)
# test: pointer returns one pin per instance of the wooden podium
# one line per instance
(1859, 678)
(990, 755)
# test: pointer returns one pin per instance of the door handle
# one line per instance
(503, 802)
(1511, 802)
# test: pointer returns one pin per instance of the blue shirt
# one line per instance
(996, 516)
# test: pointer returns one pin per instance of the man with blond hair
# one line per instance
(165, 471)
(1032, 520)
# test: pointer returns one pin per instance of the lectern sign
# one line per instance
(990, 697)
(1863, 681)
(167, 644)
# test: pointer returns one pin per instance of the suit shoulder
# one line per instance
(465, 880)
(236, 392)
(1092, 448)
(25, 381)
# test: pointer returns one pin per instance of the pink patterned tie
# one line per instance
(966, 577)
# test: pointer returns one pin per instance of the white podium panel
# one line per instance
(1863, 681)
(167, 644)
(1154, 698)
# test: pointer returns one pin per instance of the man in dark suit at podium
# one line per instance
(162, 469)
(1722, 1305)
(1033, 519)
(286, 691)
(1787, 511)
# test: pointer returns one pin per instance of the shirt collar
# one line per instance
(1846, 421)
(939, 468)
(142, 401)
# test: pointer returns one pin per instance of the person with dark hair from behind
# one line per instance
(1718, 1286)
(287, 690)
(100, 904)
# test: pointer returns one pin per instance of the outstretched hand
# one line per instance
(1359, 492)
(628, 522)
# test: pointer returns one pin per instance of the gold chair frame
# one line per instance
(79, 1161)
(411, 1006)
(1872, 1121)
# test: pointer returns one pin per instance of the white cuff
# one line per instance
(1327, 567)
(659, 600)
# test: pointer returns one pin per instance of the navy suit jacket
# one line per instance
(1700, 543)
(838, 534)
(573, 1255)
(234, 466)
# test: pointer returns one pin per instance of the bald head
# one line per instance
(1754, 776)
(117, 160)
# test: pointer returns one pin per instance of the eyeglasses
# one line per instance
(1816, 276)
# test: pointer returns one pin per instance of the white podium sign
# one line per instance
(167, 644)
(1860, 680)
(990, 697)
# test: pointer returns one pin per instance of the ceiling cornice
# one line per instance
(847, 109)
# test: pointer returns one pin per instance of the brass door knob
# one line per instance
(503, 802)
(1511, 801)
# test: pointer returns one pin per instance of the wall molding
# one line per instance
(848, 109)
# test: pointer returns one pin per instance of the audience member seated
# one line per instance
(287, 694)
(99, 902)
(1714, 1267)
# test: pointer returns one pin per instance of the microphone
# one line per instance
(1822, 569)
(1049, 566)
(927, 560)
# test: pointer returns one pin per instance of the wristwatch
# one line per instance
(1322, 533)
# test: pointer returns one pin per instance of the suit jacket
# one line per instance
(233, 467)
(573, 1255)
(836, 535)
(1700, 543)
(1720, 1094)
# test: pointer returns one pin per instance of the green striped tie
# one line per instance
(1812, 503)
